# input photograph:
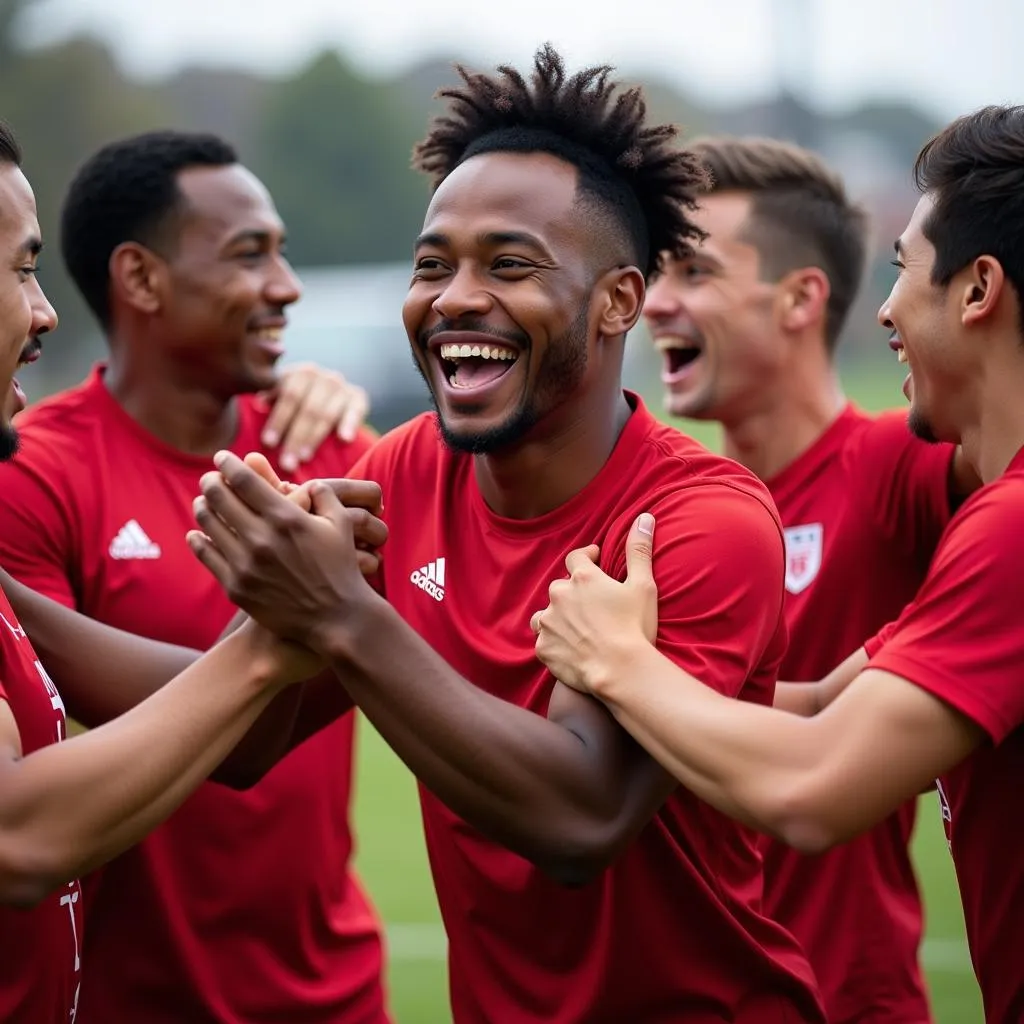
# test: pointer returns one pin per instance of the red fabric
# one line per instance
(674, 929)
(863, 510)
(242, 907)
(40, 965)
(962, 641)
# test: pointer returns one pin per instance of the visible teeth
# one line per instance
(477, 352)
(901, 355)
(269, 334)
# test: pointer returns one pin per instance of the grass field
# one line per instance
(392, 860)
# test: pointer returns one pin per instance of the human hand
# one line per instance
(297, 573)
(592, 618)
(307, 404)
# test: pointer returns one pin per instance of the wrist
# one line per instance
(610, 670)
(341, 636)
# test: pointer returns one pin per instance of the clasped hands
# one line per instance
(295, 558)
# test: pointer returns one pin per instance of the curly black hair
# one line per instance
(126, 192)
(645, 182)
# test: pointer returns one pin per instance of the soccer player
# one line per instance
(243, 906)
(67, 805)
(942, 695)
(747, 327)
(577, 882)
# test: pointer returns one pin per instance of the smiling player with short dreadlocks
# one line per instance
(576, 881)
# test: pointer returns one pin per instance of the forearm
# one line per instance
(290, 719)
(100, 671)
(527, 782)
(745, 759)
(69, 807)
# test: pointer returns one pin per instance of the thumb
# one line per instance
(259, 463)
(325, 503)
(640, 549)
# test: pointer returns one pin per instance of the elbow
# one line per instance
(580, 858)
(805, 820)
(28, 877)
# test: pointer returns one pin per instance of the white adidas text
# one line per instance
(132, 542)
(430, 578)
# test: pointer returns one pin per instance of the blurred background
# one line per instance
(324, 101)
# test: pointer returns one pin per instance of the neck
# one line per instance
(767, 438)
(995, 431)
(188, 417)
(544, 472)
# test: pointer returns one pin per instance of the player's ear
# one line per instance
(620, 300)
(137, 277)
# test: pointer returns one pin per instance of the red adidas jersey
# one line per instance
(863, 510)
(242, 906)
(962, 640)
(40, 948)
(674, 930)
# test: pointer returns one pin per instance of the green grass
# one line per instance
(392, 859)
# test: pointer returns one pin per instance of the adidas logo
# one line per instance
(430, 578)
(131, 542)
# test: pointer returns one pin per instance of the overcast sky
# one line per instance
(836, 52)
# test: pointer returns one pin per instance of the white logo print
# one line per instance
(131, 542)
(803, 555)
(430, 578)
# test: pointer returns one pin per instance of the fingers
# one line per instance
(320, 411)
(246, 484)
(358, 494)
(216, 532)
(357, 408)
(260, 464)
(289, 394)
(640, 551)
(535, 621)
(582, 558)
(214, 561)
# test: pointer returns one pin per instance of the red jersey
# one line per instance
(40, 963)
(962, 641)
(242, 906)
(863, 509)
(674, 930)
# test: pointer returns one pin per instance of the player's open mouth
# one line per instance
(269, 339)
(473, 362)
(679, 354)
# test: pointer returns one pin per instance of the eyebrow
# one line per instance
(488, 239)
(32, 246)
(260, 235)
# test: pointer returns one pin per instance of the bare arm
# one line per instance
(103, 672)
(812, 782)
(809, 698)
(568, 791)
(66, 808)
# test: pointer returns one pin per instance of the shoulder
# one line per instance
(987, 528)
(414, 447)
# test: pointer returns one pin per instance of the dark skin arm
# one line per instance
(102, 672)
(568, 791)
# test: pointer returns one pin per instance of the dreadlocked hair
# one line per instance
(644, 181)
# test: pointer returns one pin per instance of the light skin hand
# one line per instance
(309, 403)
(590, 615)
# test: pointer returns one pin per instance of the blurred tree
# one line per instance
(334, 150)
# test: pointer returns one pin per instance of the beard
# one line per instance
(8, 442)
(920, 427)
(561, 370)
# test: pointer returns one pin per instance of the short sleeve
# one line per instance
(37, 528)
(720, 570)
(961, 638)
(903, 483)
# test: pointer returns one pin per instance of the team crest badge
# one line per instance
(803, 555)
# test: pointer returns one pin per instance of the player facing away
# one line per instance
(215, 916)
(747, 327)
(942, 695)
(68, 805)
(577, 881)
